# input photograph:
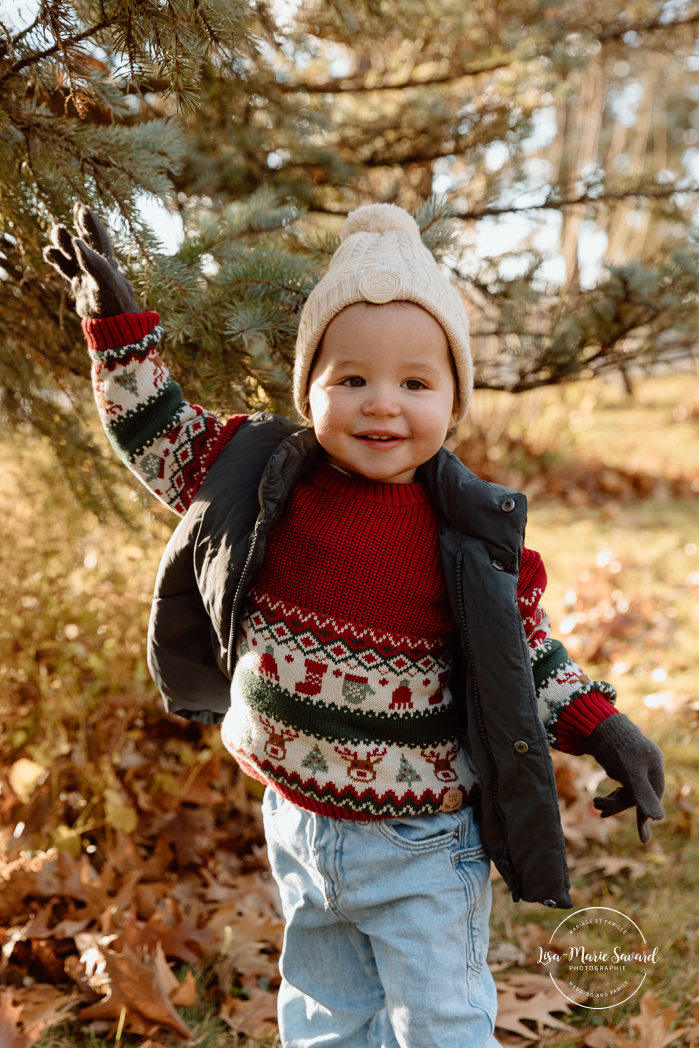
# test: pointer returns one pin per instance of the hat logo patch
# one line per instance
(379, 285)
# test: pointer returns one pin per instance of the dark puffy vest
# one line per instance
(219, 545)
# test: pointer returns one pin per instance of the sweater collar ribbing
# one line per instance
(332, 480)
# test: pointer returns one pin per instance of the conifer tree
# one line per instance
(263, 131)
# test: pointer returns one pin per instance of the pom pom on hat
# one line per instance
(387, 263)
(379, 218)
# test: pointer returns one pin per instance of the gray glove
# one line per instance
(637, 763)
(87, 262)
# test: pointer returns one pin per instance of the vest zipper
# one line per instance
(238, 594)
(505, 859)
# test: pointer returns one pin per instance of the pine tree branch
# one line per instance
(27, 29)
(355, 85)
(349, 86)
(553, 204)
(644, 26)
(557, 204)
(60, 46)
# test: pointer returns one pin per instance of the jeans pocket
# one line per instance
(421, 832)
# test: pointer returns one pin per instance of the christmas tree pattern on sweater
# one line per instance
(344, 714)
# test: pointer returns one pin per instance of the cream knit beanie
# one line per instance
(381, 258)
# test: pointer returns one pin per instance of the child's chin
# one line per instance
(381, 474)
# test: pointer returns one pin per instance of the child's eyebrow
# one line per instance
(410, 365)
(348, 363)
(421, 365)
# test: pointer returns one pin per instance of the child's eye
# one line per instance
(354, 381)
(413, 384)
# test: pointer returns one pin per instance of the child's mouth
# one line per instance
(380, 441)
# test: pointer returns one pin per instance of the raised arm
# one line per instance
(166, 441)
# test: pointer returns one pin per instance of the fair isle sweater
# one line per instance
(340, 698)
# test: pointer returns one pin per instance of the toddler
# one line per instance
(360, 614)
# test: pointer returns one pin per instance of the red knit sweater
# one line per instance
(343, 542)
(353, 579)
(306, 564)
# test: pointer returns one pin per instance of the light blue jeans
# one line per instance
(386, 930)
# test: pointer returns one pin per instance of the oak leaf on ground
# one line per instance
(609, 866)
(10, 1034)
(182, 940)
(531, 997)
(600, 1037)
(136, 986)
(43, 1003)
(653, 1026)
(255, 1017)
(183, 994)
(581, 823)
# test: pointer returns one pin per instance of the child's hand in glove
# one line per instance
(87, 262)
(637, 763)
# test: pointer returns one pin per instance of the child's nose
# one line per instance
(381, 403)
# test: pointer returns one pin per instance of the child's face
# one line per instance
(382, 390)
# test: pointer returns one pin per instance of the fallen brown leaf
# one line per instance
(240, 957)
(251, 925)
(600, 1037)
(135, 986)
(530, 936)
(183, 994)
(10, 1034)
(512, 1009)
(610, 866)
(581, 823)
(531, 997)
(654, 1028)
(78, 880)
(43, 1003)
(168, 979)
(255, 1017)
(76, 970)
(148, 897)
(528, 983)
(566, 779)
(182, 940)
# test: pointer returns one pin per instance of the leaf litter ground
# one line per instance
(135, 900)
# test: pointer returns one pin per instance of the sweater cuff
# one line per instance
(227, 433)
(115, 332)
(579, 719)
